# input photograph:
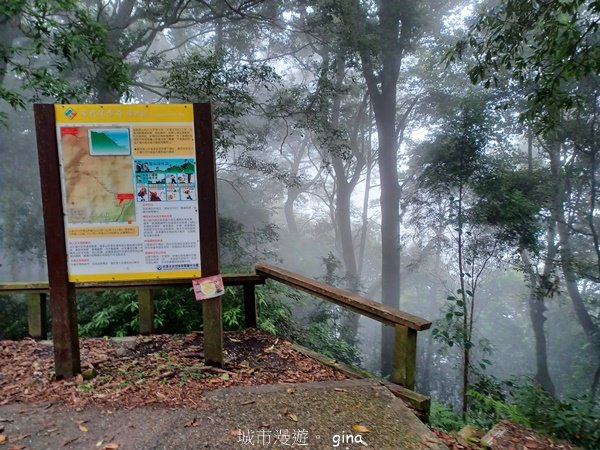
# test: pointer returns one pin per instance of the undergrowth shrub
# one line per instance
(576, 419)
(444, 417)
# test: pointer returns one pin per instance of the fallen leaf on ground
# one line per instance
(235, 432)
(111, 446)
(191, 423)
(2, 439)
(18, 437)
(133, 378)
(249, 402)
(340, 390)
(83, 428)
(294, 417)
(17, 447)
(360, 428)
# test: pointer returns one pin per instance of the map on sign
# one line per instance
(97, 175)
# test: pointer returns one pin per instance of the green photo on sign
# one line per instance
(109, 141)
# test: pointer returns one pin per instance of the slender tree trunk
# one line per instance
(536, 303)
(537, 308)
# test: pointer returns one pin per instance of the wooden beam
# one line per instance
(42, 286)
(146, 311)
(250, 315)
(62, 293)
(36, 316)
(24, 288)
(367, 307)
(404, 367)
(212, 314)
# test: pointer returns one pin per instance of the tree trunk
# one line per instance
(590, 329)
(390, 221)
(537, 308)
(288, 209)
(536, 314)
(536, 304)
(567, 257)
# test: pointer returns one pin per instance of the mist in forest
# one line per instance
(340, 152)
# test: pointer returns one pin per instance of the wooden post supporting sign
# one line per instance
(151, 169)
(212, 315)
(62, 292)
(36, 316)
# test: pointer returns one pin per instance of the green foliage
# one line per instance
(107, 313)
(454, 156)
(231, 87)
(320, 333)
(511, 200)
(318, 336)
(444, 418)
(240, 248)
(14, 317)
(547, 47)
(576, 420)
(176, 311)
(44, 41)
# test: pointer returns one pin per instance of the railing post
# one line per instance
(146, 311)
(36, 316)
(250, 305)
(405, 357)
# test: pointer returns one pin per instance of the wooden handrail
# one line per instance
(36, 293)
(42, 286)
(365, 306)
(406, 326)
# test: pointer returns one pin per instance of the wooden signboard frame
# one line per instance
(62, 291)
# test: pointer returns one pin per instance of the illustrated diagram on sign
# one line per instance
(170, 180)
(97, 175)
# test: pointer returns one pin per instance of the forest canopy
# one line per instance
(438, 156)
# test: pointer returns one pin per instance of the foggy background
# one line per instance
(299, 177)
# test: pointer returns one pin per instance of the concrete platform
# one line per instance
(352, 414)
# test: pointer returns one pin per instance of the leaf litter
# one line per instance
(160, 370)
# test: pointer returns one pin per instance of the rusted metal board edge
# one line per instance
(362, 305)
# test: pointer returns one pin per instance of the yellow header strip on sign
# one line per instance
(135, 276)
(119, 113)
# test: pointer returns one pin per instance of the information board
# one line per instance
(129, 180)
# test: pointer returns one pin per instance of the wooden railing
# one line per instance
(405, 325)
(37, 295)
